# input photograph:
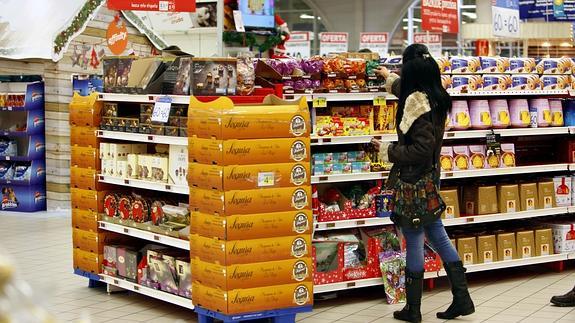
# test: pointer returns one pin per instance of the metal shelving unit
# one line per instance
(136, 183)
(145, 235)
(138, 137)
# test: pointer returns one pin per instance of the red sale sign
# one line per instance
(375, 41)
(433, 41)
(153, 5)
(439, 15)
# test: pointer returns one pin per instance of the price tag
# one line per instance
(505, 18)
(239, 21)
(319, 103)
(266, 179)
(379, 101)
(162, 109)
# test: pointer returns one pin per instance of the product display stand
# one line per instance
(22, 145)
(287, 315)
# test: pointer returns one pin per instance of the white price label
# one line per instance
(266, 179)
(162, 109)
(505, 22)
(239, 21)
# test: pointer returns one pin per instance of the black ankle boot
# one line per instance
(462, 304)
(413, 288)
(567, 300)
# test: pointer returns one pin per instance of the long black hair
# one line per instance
(420, 72)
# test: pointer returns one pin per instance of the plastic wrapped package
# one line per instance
(246, 75)
(392, 266)
(326, 256)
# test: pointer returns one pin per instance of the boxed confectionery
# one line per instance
(465, 65)
(497, 82)
(249, 152)
(480, 200)
(461, 157)
(451, 199)
(84, 136)
(507, 155)
(178, 165)
(529, 196)
(543, 242)
(556, 82)
(251, 201)
(84, 178)
(446, 159)
(508, 196)
(244, 177)
(522, 65)
(87, 261)
(273, 118)
(466, 83)
(252, 275)
(251, 226)
(554, 66)
(506, 246)
(467, 249)
(253, 299)
(85, 157)
(86, 220)
(525, 244)
(230, 252)
(563, 236)
(494, 64)
(85, 110)
(94, 241)
(184, 272)
(486, 249)
(477, 158)
(546, 195)
(214, 76)
(525, 82)
(562, 188)
(87, 199)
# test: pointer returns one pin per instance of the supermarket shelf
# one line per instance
(360, 283)
(511, 93)
(146, 235)
(515, 263)
(343, 97)
(463, 134)
(141, 98)
(471, 268)
(139, 137)
(369, 222)
(163, 187)
(341, 178)
(506, 216)
(157, 294)
(506, 171)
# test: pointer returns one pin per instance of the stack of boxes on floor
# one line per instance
(250, 199)
(87, 193)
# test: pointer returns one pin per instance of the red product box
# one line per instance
(336, 276)
(432, 260)
(371, 268)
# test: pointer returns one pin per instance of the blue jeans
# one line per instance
(439, 240)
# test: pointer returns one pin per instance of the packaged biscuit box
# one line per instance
(556, 82)
(86, 220)
(546, 195)
(251, 201)
(525, 244)
(467, 83)
(529, 196)
(522, 65)
(507, 155)
(467, 249)
(233, 252)
(274, 118)
(486, 249)
(461, 158)
(87, 199)
(85, 157)
(465, 65)
(85, 110)
(494, 64)
(87, 261)
(543, 242)
(477, 158)
(84, 136)
(251, 226)
(84, 178)
(555, 66)
(497, 82)
(506, 247)
(242, 177)
(509, 201)
(252, 275)
(451, 199)
(253, 299)
(249, 152)
(525, 82)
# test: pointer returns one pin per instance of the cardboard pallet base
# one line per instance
(286, 315)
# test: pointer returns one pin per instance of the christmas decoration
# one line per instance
(94, 61)
(117, 36)
(279, 51)
(64, 37)
(76, 56)
(249, 40)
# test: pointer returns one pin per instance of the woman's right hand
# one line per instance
(376, 144)
(382, 71)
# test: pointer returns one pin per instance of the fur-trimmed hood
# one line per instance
(416, 105)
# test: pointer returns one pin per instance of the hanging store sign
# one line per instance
(376, 42)
(433, 41)
(505, 18)
(153, 5)
(299, 45)
(439, 16)
(117, 36)
(333, 43)
(550, 10)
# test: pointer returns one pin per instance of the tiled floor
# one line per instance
(40, 246)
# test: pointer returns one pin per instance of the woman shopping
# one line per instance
(421, 116)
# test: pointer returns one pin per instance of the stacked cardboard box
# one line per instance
(86, 192)
(251, 217)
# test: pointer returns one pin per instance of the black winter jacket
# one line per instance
(419, 146)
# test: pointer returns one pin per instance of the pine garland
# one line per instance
(250, 40)
(81, 18)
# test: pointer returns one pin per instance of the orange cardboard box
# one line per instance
(85, 157)
(87, 200)
(85, 220)
(84, 178)
(248, 152)
(84, 136)
(274, 118)
(85, 110)
(251, 226)
(88, 261)
(252, 275)
(252, 299)
(248, 251)
(251, 201)
(249, 176)
(94, 241)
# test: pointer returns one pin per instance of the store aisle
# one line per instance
(40, 245)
